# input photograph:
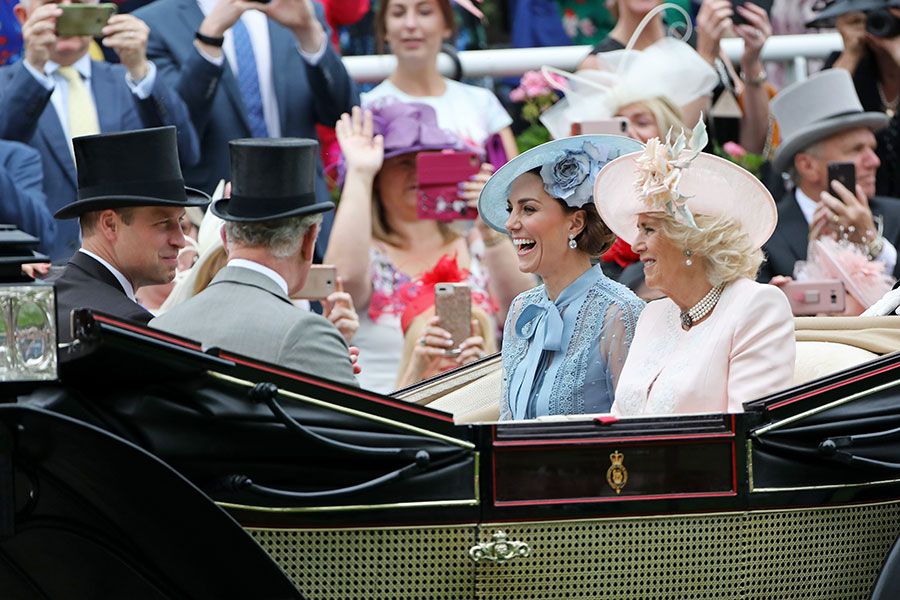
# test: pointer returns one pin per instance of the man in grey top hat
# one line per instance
(822, 121)
(271, 223)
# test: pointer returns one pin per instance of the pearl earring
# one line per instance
(572, 243)
(689, 254)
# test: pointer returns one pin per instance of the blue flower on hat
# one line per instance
(571, 177)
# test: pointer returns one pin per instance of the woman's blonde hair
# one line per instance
(216, 261)
(667, 115)
(724, 249)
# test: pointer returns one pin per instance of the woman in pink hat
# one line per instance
(718, 339)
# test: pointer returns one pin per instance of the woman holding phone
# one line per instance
(378, 242)
(566, 340)
(415, 30)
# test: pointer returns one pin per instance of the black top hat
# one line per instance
(271, 179)
(132, 168)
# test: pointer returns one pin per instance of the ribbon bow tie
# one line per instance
(544, 313)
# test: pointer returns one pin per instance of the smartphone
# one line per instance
(844, 172)
(453, 304)
(737, 19)
(83, 19)
(614, 126)
(815, 297)
(321, 283)
(439, 175)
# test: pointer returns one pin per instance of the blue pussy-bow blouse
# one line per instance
(563, 357)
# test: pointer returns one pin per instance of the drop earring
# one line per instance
(572, 243)
(689, 254)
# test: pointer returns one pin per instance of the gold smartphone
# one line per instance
(453, 304)
(320, 283)
(83, 19)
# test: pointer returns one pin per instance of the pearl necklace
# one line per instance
(702, 308)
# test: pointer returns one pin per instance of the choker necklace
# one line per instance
(702, 308)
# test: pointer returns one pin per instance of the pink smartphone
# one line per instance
(320, 283)
(439, 176)
(614, 126)
(815, 297)
(453, 304)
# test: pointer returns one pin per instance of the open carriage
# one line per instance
(142, 440)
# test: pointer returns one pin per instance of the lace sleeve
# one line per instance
(618, 331)
(509, 346)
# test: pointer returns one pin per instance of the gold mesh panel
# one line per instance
(372, 564)
(832, 553)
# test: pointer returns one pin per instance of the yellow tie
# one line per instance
(82, 113)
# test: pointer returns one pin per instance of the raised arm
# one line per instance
(351, 233)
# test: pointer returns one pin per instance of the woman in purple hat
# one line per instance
(378, 242)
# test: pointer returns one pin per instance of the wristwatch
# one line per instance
(757, 81)
(211, 41)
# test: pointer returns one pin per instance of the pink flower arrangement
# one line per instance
(734, 150)
(533, 85)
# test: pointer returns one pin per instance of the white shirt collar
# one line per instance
(807, 205)
(82, 65)
(262, 269)
(126, 285)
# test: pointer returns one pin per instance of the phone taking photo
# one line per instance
(737, 19)
(843, 172)
(453, 305)
(320, 283)
(438, 177)
(827, 296)
(614, 126)
(78, 20)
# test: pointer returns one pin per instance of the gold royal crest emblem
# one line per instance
(617, 474)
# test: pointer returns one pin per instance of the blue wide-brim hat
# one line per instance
(495, 194)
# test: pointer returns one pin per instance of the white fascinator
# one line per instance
(669, 68)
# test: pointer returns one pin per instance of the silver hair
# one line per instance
(815, 150)
(281, 237)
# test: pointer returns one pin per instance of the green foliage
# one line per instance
(535, 135)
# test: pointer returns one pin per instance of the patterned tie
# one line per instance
(248, 80)
(82, 112)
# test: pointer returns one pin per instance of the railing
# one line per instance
(792, 50)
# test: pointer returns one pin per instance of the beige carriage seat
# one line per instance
(826, 345)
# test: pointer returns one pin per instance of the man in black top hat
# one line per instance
(271, 223)
(131, 200)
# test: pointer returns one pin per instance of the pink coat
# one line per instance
(744, 350)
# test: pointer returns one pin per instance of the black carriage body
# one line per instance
(357, 495)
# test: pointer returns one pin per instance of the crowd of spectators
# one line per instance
(216, 85)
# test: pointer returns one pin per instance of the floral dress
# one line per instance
(380, 337)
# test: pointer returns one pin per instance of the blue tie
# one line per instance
(248, 80)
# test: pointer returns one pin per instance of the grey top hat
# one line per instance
(812, 110)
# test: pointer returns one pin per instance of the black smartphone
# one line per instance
(737, 19)
(845, 172)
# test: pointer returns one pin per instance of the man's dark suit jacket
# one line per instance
(306, 95)
(85, 283)
(22, 200)
(28, 116)
(791, 237)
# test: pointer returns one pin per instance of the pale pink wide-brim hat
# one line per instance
(717, 188)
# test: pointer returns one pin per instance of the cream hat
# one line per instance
(682, 182)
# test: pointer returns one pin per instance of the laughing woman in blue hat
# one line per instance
(565, 341)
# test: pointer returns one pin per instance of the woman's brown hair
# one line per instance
(444, 6)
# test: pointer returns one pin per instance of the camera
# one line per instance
(882, 23)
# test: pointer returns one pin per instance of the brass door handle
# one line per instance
(499, 550)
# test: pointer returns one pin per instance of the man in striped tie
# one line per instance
(57, 93)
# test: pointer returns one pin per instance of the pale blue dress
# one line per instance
(564, 357)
